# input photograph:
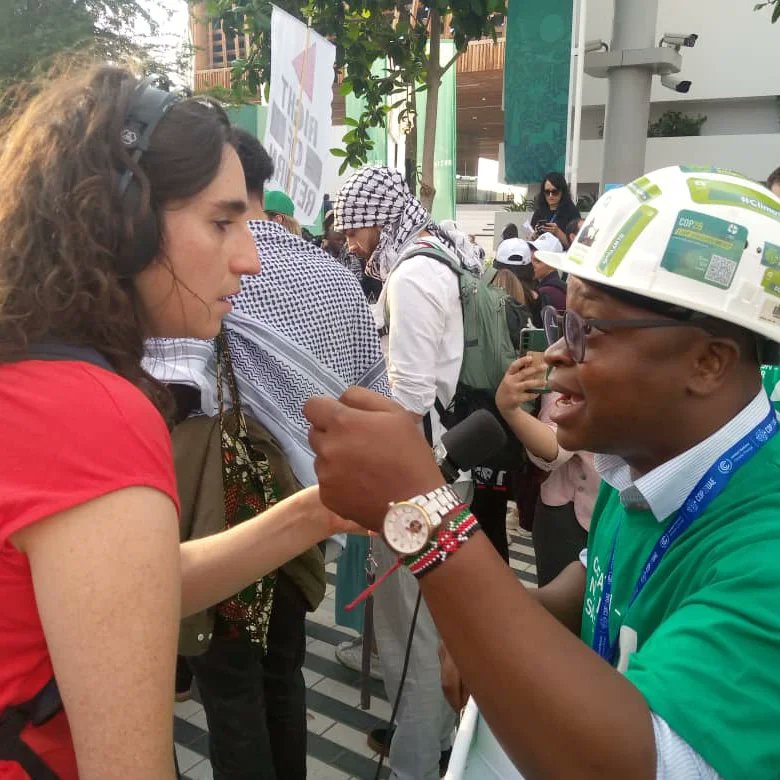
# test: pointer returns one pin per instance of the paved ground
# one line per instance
(337, 726)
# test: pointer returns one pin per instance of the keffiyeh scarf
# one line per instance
(299, 328)
(379, 196)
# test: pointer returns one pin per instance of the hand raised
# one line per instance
(522, 376)
(368, 452)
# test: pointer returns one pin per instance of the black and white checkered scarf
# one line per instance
(299, 328)
(379, 196)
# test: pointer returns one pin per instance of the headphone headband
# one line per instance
(147, 107)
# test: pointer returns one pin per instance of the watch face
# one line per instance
(406, 528)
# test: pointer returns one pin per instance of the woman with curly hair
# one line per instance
(121, 216)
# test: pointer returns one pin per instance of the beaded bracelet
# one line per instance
(450, 538)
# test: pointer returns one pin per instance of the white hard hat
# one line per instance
(513, 251)
(546, 242)
(705, 239)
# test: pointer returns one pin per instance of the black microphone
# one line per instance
(470, 443)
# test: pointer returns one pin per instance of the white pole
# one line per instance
(576, 132)
(572, 52)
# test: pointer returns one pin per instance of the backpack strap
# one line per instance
(435, 252)
(55, 350)
(13, 720)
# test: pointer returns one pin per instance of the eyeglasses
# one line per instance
(574, 328)
(551, 191)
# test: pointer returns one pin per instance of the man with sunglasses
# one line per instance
(656, 656)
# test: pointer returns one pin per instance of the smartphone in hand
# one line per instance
(533, 340)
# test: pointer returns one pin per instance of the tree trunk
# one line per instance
(427, 189)
(410, 155)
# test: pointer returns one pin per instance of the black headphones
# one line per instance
(149, 103)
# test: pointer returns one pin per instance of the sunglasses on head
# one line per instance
(551, 191)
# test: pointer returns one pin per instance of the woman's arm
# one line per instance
(218, 566)
(107, 585)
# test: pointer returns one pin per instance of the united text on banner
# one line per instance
(297, 132)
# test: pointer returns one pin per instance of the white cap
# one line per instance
(547, 242)
(513, 251)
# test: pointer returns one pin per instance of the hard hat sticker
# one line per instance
(712, 169)
(771, 281)
(771, 255)
(723, 193)
(705, 248)
(644, 189)
(625, 238)
(770, 311)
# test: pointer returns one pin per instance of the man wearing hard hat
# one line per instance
(656, 655)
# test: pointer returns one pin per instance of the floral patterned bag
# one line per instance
(250, 488)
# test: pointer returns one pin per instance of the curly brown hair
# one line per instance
(64, 225)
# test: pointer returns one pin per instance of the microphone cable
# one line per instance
(391, 725)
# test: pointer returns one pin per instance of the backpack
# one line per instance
(492, 321)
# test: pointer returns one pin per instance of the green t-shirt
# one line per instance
(702, 640)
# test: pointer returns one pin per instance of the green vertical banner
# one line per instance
(354, 108)
(445, 149)
(250, 117)
(536, 89)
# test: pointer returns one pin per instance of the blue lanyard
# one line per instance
(707, 489)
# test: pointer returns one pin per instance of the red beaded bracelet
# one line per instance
(450, 538)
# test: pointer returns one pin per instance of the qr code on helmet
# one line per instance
(720, 271)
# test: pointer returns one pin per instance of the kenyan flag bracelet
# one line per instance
(450, 538)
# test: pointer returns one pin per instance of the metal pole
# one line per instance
(368, 632)
(582, 17)
(628, 98)
(569, 122)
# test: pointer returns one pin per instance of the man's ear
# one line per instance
(714, 358)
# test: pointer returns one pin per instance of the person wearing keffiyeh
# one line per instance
(299, 328)
(389, 228)
(378, 197)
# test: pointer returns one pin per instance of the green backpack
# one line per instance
(492, 321)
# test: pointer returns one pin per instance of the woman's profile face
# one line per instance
(206, 247)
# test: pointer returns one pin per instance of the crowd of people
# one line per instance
(202, 407)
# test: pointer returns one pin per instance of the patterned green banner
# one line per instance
(536, 89)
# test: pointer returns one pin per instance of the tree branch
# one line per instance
(450, 63)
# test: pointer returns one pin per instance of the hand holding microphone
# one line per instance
(370, 452)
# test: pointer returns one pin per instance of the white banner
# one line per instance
(297, 132)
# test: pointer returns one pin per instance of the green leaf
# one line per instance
(776, 12)
(351, 122)
(336, 152)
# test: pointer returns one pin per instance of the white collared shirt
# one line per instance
(664, 489)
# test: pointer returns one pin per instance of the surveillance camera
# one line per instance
(596, 45)
(679, 39)
(675, 84)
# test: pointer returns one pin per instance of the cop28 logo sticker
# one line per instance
(725, 466)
